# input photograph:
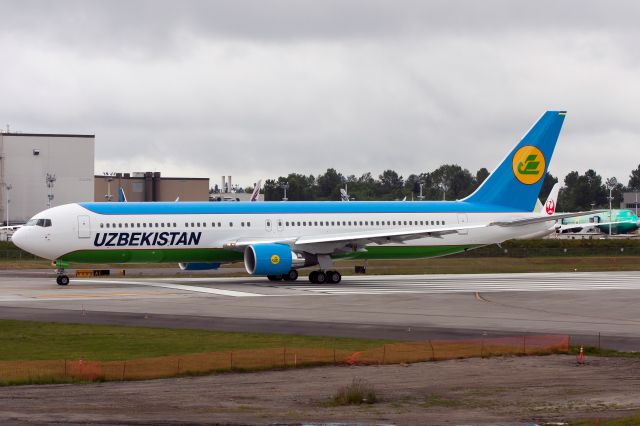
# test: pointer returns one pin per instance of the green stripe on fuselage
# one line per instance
(225, 256)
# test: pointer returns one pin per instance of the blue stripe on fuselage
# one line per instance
(279, 207)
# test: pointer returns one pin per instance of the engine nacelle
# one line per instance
(198, 266)
(271, 259)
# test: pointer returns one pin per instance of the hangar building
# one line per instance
(38, 170)
(150, 186)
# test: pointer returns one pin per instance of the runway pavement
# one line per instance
(407, 307)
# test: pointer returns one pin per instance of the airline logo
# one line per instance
(146, 239)
(528, 165)
(550, 207)
(275, 259)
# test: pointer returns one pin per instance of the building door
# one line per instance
(463, 220)
(84, 227)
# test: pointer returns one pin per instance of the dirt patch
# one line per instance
(509, 390)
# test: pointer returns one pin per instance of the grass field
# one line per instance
(27, 340)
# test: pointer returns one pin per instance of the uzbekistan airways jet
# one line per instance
(277, 238)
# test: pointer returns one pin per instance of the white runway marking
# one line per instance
(182, 287)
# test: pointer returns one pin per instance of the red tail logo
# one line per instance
(551, 207)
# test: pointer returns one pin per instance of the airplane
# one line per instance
(276, 239)
(255, 195)
(622, 221)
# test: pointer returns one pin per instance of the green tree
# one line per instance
(547, 185)
(329, 184)
(390, 184)
(634, 180)
(582, 192)
(453, 180)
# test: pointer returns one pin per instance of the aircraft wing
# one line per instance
(540, 219)
(359, 237)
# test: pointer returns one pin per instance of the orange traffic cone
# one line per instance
(580, 357)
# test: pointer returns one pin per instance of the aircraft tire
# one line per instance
(274, 277)
(334, 277)
(62, 280)
(291, 276)
(313, 277)
(321, 277)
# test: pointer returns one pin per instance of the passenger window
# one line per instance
(219, 224)
(443, 222)
(249, 224)
(119, 225)
(333, 224)
(315, 223)
(204, 224)
(162, 225)
(298, 223)
(156, 224)
(107, 225)
(230, 224)
(242, 224)
(101, 225)
(388, 222)
(344, 223)
(437, 222)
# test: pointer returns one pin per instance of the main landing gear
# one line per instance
(291, 276)
(321, 277)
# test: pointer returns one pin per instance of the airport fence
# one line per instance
(60, 371)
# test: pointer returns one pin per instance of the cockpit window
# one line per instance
(39, 222)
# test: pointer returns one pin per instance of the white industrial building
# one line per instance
(41, 170)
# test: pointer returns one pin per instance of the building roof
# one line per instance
(48, 135)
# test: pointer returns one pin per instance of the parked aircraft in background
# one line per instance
(278, 238)
(621, 221)
(255, 196)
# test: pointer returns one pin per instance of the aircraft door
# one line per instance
(463, 220)
(267, 225)
(84, 227)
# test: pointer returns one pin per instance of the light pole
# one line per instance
(285, 186)
(611, 183)
(109, 196)
(50, 180)
(8, 188)
(421, 197)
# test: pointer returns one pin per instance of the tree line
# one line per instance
(449, 182)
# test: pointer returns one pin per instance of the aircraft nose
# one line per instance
(18, 238)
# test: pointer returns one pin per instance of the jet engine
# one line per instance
(271, 259)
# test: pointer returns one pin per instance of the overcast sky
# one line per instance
(259, 89)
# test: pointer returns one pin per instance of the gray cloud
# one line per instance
(263, 88)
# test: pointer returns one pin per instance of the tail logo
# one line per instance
(528, 165)
(550, 207)
(275, 259)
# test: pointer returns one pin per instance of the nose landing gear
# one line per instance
(62, 279)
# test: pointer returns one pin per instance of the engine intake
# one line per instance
(271, 259)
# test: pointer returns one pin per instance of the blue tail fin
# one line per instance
(516, 182)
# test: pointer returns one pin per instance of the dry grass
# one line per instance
(360, 391)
